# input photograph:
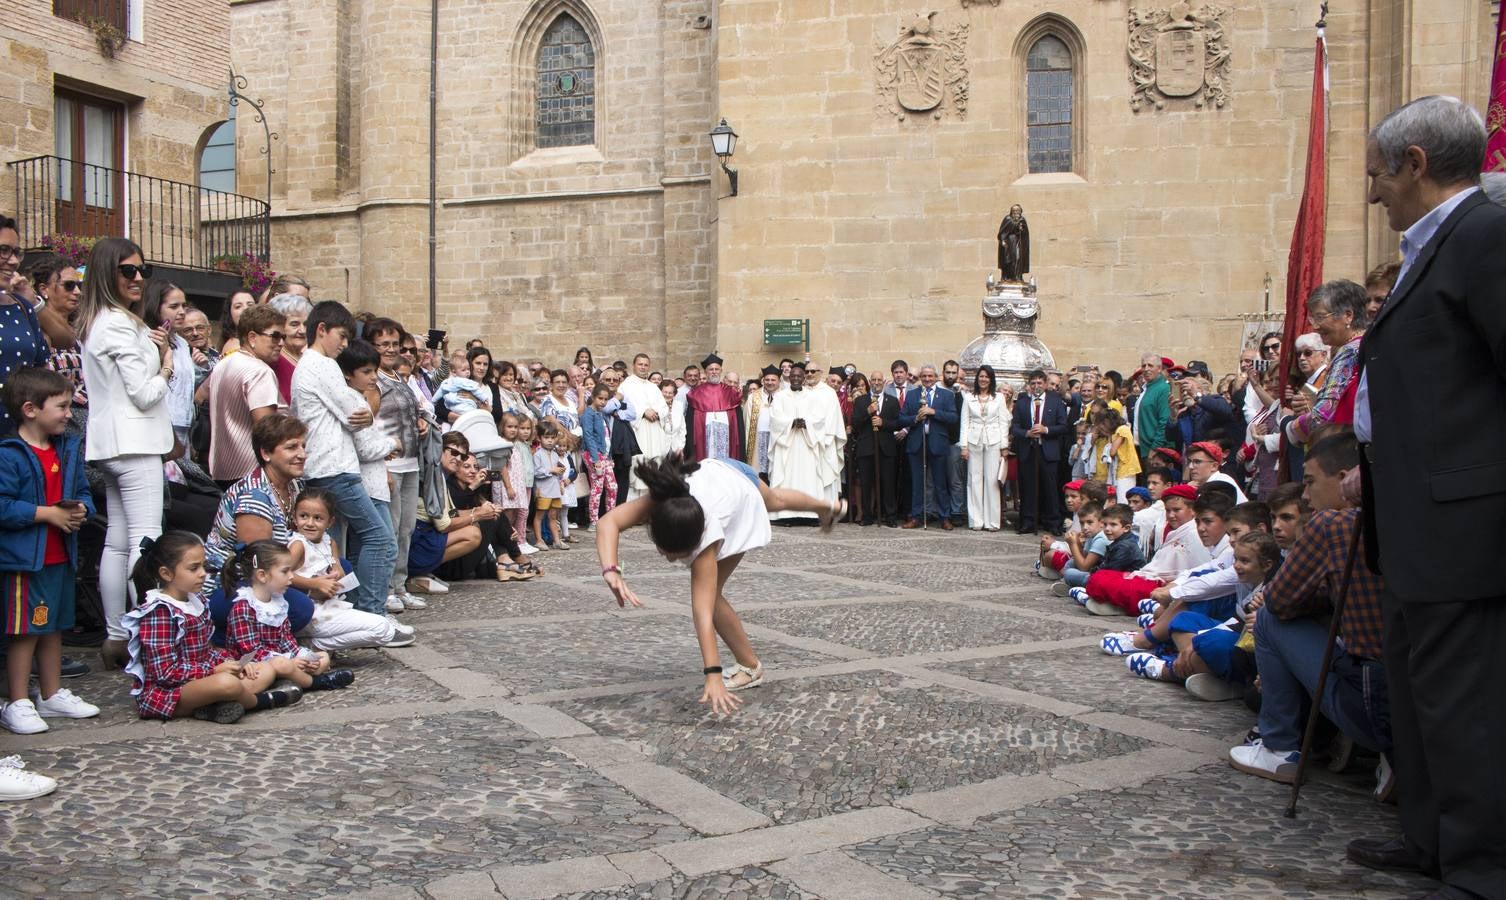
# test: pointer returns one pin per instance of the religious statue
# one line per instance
(1014, 246)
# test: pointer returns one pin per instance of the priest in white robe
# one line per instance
(803, 451)
(650, 427)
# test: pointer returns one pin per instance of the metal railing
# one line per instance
(176, 224)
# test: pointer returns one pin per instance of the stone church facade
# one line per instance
(1156, 148)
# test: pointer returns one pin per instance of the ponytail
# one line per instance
(247, 560)
(164, 552)
(677, 520)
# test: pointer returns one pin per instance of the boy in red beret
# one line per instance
(1119, 593)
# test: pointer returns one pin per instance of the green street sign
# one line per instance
(786, 332)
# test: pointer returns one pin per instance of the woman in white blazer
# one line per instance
(984, 438)
(126, 368)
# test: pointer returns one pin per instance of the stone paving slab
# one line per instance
(761, 585)
(550, 595)
(942, 575)
(1089, 677)
(326, 809)
(749, 883)
(806, 748)
(1210, 833)
(626, 647)
(900, 629)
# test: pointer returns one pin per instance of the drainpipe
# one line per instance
(433, 160)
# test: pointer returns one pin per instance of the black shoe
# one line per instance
(891, 523)
(333, 680)
(276, 699)
(224, 712)
(1025, 529)
(1389, 854)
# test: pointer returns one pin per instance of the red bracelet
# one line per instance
(609, 570)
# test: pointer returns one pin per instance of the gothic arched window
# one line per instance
(1048, 110)
(566, 86)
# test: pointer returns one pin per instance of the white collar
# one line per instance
(193, 606)
(271, 613)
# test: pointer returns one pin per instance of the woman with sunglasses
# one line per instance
(128, 365)
(20, 333)
(58, 286)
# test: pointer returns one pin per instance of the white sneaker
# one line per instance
(404, 630)
(398, 640)
(411, 602)
(63, 705)
(1256, 759)
(395, 604)
(527, 549)
(18, 784)
(20, 717)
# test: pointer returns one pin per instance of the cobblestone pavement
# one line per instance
(934, 723)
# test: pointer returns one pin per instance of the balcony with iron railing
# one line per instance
(178, 225)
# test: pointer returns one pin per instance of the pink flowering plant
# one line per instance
(71, 247)
(256, 274)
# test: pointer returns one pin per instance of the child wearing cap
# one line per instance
(1119, 593)
(1054, 553)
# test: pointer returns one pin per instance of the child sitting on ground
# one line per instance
(1137, 498)
(257, 629)
(336, 624)
(44, 501)
(1208, 590)
(1150, 523)
(1085, 549)
(1120, 593)
(1055, 554)
(1123, 553)
(1200, 650)
(177, 670)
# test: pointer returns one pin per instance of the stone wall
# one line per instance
(538, 251)
(880, 229)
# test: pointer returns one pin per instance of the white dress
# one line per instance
(734, 510)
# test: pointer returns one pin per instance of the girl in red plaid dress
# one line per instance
(257, 629)
(178, 672)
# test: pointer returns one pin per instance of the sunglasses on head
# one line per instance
(130, 271)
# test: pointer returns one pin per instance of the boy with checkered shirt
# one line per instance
(44, 501)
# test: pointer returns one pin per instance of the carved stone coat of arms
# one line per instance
(1178, 52)
(924, 70)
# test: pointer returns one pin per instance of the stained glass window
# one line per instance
(566, 86)
(1048, 94)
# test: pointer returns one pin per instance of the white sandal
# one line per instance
(829, 518)
(755, 677)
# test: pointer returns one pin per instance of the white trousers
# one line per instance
(984, 505)
(1122, 487)
(133, 506)
(337, 625)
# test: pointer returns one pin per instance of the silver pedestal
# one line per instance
(1008, 342)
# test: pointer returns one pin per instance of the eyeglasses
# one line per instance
(409, 351)
(388, 345)
(451, 451)
(130, 271)
(7, 251)
(276, 336)
(1308, 352)
(71, 286)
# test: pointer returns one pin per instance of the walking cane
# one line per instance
(1333, 637)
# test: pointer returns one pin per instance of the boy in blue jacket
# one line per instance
(44, 501)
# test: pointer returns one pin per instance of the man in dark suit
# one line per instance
(1036, 431)
(899, 388)
(928, 412)
(1430, 415)
(875, 418)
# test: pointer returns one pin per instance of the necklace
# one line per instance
(284, 502)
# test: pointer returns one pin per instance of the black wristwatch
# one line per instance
(711, 670)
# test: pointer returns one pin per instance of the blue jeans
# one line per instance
(1075, 577)
(371, 528)
(1289, 656)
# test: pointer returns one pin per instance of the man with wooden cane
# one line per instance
(1430, 416)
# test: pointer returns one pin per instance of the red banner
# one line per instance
(1304, 264)
(1495, 114)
